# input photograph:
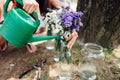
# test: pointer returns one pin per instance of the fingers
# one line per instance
(10, 6)
(2, 40)
(1, 13)
(71, 42)
(3, 44)
(31, 9)
(72, 38)
(31, 48)
(30, 5)
(26, 7)
(1, 9)
(69, 38)
(3, 47)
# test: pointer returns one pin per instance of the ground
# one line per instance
(21, 60)
(16, 60)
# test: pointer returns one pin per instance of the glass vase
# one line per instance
(65, 62)
(65, 54)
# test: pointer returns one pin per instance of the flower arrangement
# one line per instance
(62, 22)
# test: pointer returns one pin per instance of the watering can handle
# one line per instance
(21, 3)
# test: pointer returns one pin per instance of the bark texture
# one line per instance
(101, 21)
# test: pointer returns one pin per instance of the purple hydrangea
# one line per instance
(72, 20)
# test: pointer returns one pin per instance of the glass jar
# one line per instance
(87, 71)
(91, 54)
(92, 50)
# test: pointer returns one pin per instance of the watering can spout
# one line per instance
(42, 38)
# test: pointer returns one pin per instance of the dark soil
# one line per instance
(16, 60)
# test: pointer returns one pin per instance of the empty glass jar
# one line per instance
(87, 71)
(91, 54)
(92, 50)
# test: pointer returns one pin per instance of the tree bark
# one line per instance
(101, 21)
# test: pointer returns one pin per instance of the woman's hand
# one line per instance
(1, 9)
(2, 40)
(72, 38)
(1, 12)
(30, 6)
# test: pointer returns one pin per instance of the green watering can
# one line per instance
(18, 27)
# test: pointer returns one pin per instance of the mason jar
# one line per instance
(92, 50)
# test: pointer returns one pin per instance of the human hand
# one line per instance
(72, 38)
(3, 44)
(1, 9)
(30, 5)
(2, 40)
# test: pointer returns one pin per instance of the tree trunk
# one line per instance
(101, 21)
